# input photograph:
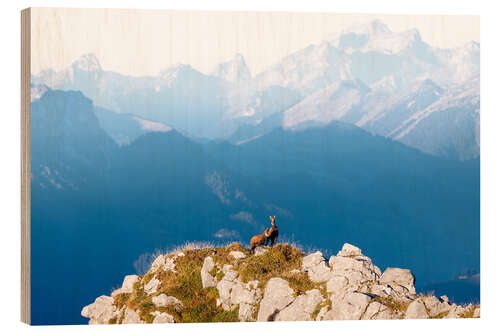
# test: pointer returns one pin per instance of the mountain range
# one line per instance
(97, 206)
(389, 83)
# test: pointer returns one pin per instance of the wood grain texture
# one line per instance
(25, 165)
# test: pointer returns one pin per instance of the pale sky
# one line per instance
(145, 42)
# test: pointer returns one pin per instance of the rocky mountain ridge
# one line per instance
(274, 284)
(366, 75)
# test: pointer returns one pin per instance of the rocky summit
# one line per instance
(276, 284)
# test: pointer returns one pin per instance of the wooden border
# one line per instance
(25, 165)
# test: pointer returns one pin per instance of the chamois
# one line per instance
(272, 233)
(259, 240)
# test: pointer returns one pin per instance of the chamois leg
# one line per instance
(273, 240)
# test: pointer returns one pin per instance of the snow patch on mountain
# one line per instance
(328, 104)
(152, 126)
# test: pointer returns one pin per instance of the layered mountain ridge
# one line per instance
(388, 64)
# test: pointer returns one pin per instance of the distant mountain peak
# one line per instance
(234, 70)
(37, 91)
(375, 35)
(88, 62)
(472, 45)
(375, 27)
(176, 71)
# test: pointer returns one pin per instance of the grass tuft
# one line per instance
(273, 263)
(468, 313)
(392, 304)
(440, 315)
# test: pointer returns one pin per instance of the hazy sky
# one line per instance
(144, 42)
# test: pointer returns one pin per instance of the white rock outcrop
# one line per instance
(152, 286)
(101, 311)
(316, 267)
(131, 317)
(233, 292)
(207, 280)
(416, 310)
(349, 250)
(347, 287)
(163, 318)
(127, 285)
(302, 307)
(167, 263)
(349, 306)
(376, 310)
(157, 263)
(260, 250)
(399, 277)
(435, 306)
(237, 254)
(277, 295)
(164, 300)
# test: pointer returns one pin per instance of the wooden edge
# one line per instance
(25, 165)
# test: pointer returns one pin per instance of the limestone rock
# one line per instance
(163, 318)
(237, 254)
(233, 292)
(376, 310)
(341, 264)
(277, 295)
(435, 306)
(224, 288)
(336, 284)
(207, 280)
(245, 312)
(353, 270)
(229, 273)
(353, 284)
(322, 313)
(260, 250)
(127, 285)
(252, 284)
(350, 306)
(416, 310)
(169, 264)
(316, 268)
(131, 317)
(349, 250)
(164, 300)
(456, 311)
(355, 267)
(381, 290)
(101, 311)
(302, 308)
(151, 286)
(399, 276)
(241, 294)
(396, 292)
(312, 260)
(157, 263)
